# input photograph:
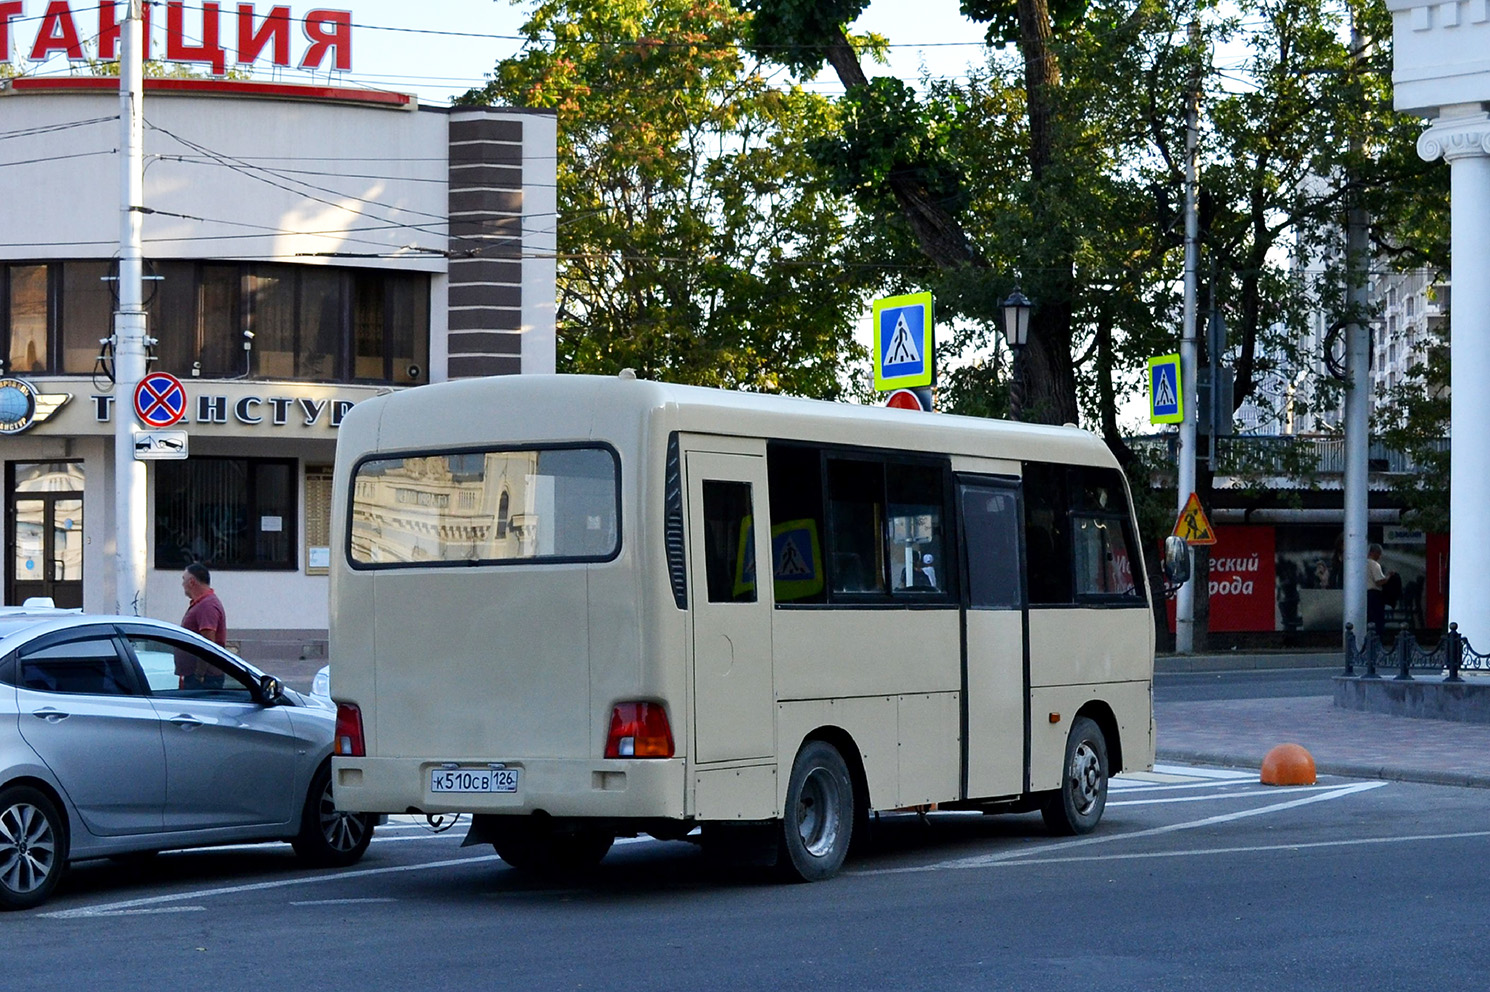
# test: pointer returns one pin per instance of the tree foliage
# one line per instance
(697, 240)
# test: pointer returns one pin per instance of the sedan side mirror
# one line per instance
(272, 689)
(1176, 560)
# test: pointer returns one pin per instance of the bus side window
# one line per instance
(915, 549)
(856, 517)
(729, 542)
(991, 529)
(1047, 534)
(1102, 540)
(796, 482)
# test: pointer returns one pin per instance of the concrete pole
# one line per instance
(1184, 600)
(1462, 136)
(130, 529)
(1357, 404)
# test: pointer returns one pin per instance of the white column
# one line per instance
(1462, 140)
(130, 526)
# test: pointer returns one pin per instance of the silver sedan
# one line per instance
(121, 735)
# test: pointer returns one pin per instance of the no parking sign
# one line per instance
(160, 400)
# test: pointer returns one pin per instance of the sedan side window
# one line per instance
(89, 667)
(181, 670)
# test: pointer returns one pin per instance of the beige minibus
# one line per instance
(579, 608)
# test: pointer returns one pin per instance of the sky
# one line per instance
(438, 67)
(442, 48)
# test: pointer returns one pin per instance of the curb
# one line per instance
(1469, 780)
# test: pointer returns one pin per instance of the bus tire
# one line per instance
(531, 848)
(329, 837)
(1076, 807)
(817, 825)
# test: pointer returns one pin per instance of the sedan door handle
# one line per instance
(186, 721)
(51, 715)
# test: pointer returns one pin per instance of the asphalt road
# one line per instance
(1267, 683)
(1197, 879)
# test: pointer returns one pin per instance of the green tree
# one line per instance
(1037, 171)
(697, 241)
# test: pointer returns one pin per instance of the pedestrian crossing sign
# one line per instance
(796, 560)
(1193, 524)
(1166, 400)
(903, 342)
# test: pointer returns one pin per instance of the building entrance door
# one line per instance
(45, 536)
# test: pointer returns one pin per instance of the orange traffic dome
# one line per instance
(1288, 764)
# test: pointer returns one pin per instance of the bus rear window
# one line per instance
(472, 507)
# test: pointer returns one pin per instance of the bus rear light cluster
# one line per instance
(639, 730)
(349, 742)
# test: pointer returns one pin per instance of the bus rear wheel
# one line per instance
(817, 825)
(1076, 807)
(541, 850)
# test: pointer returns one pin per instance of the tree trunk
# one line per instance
(937, 232)
(1049, 376)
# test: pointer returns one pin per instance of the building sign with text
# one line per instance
(251, 411)
(194, 33)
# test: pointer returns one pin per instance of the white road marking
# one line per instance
(260, 845)
(1113, 789)
(108, 908)
(339, 902)
(1194, 771)
(1264, 791)
(1251, 849)
(154, 912)
(990, 860)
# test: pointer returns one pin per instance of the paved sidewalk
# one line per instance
(1238, 733)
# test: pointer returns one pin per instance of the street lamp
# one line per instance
(1017, 333)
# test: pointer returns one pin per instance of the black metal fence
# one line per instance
(1452, 655)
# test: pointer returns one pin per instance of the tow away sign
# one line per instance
(160, 445)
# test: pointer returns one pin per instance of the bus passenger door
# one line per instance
(995, 703)
(730, 604)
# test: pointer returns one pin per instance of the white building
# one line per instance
(1409, 315)
(307, 247)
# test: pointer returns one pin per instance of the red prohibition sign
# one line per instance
(160, 399)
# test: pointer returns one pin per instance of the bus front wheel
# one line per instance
(818, 822)
(1076, 807)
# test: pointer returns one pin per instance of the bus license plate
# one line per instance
(473, 780)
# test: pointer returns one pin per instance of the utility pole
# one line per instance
(129, 323)
(1357, 393)
(1184, 602)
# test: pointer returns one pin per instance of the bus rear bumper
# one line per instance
(560, 787)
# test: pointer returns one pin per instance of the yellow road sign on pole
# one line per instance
(1192, 524)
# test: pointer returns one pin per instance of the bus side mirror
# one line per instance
(1176, 560)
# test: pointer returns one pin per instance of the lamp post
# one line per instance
(1017, 333)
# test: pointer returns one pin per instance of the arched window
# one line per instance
(503, 503)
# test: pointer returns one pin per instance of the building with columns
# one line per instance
(1440, 72)
(307, 247)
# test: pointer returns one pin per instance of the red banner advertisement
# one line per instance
(1243, 594)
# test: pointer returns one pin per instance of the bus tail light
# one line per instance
(639, 730)
(349, 743)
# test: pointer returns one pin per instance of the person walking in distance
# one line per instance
(205, 616)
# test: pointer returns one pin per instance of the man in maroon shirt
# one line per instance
(204, 616)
